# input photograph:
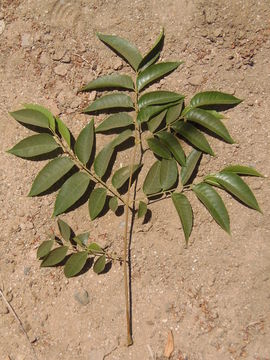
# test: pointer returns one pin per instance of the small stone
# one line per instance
(26, 40)
(66, 59)
(96, 355)
(76, 103)
(61, 70)
(44, 59)
(1, 15)
(92, 95)
(195, 80)
(58, 54)
(218, 32)
(82, 297)
(118, 64)
(2, 26)
(9, 296)
(26, 270)
(204, 33)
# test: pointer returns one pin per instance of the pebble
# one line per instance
(118, 64)
(96, 355)
(61, 69)
(2, 26)
(26, 40)
(26, 270)
(92, 95)
(44, 59)
(58, 54)
(195, 80)
(76, 103)
(1, 15)
(218, 32)
(82, 297)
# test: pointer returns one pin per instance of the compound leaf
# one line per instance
(122, 175)
(214, 204)
(115, 121)
(142, 210)
(191, 162)
(114, 81)
(84, 144)
(242, 170)
(71, 191)
(44, 248)
(158, 98)
(153, 54)
(213, 98)
(113, 203)
(99, 265)
(155, 72)
(168, 173)
(111, 101)
(102, 160)
(193, 135)
(96, 202)
(31, 117)
(184, 210)
(158, 148)
(121, 46)
(174, 146)
(55, 256)
(44, 111)
(50, 174)
(63, 131)
(151, 183)
(34, 145)
(75, 263)
(65, 230)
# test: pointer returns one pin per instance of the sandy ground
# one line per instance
(215, 295)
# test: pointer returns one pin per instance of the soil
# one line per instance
(213, 296)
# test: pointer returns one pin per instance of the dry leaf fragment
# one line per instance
(169, 346)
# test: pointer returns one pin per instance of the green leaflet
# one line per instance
(211, 180)
(82, 239)
(193, 135)
(210, 122)
(113, 203)
(153, 54)
(115, 121)
(50, 174)
(94, 248)
(151, 183)
(65, 230)
(114, 81)
(122, 175)
(191, 162)
(173, 113)
(168, 173)
(158, 148)
(213, 98)
(174, 146)
(44, 248)
(121, 46)
(55, 256)
(122, 137)
(99, 265)
(147, 113)
(102, 160)
(236, 186)
(155, 72)
(158, 98)
(214, 204)
(96, 202)
(111, 101)
(242, 170)
(84, 144)
(184, 210)
(34, 145)
(44, 111)
(71, 191)
(31, 117)
(142, 210)
(63, 131)
(75, 263)
(155, 122)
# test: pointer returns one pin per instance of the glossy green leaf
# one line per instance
(155, 122)
(50, 174)
(84, 144)
(150, 62)
(122, 175)
(193, 135)
(142, 210)
(174, 146)
(34, 145)
(147, 113)
(155, 72)
(213, 98)
(102, 160)
(114, 81)
(191, 162)
(44, 248)
(242, 170)
(115, 121)
(151, 183)
(214, 204)
(184, 210)
(113, 203)
(158, 148)
(210, 122)
(211, 180)
(75, 264)
(55, 256)
(96, 202)
(111, 101)
(63, 131)
(44, 111)
(122, 47)
(158, 98)
(94, 248)
(71, 191)
(65, 230)
(82, 239)
(216, 114)
(122, 137)
(99, 265)
(173, 113)
(236, 186)
(153, 53)
(31, 117)
(168, 173)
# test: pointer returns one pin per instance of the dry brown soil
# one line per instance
(215, 295)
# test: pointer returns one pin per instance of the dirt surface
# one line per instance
(215, 295)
